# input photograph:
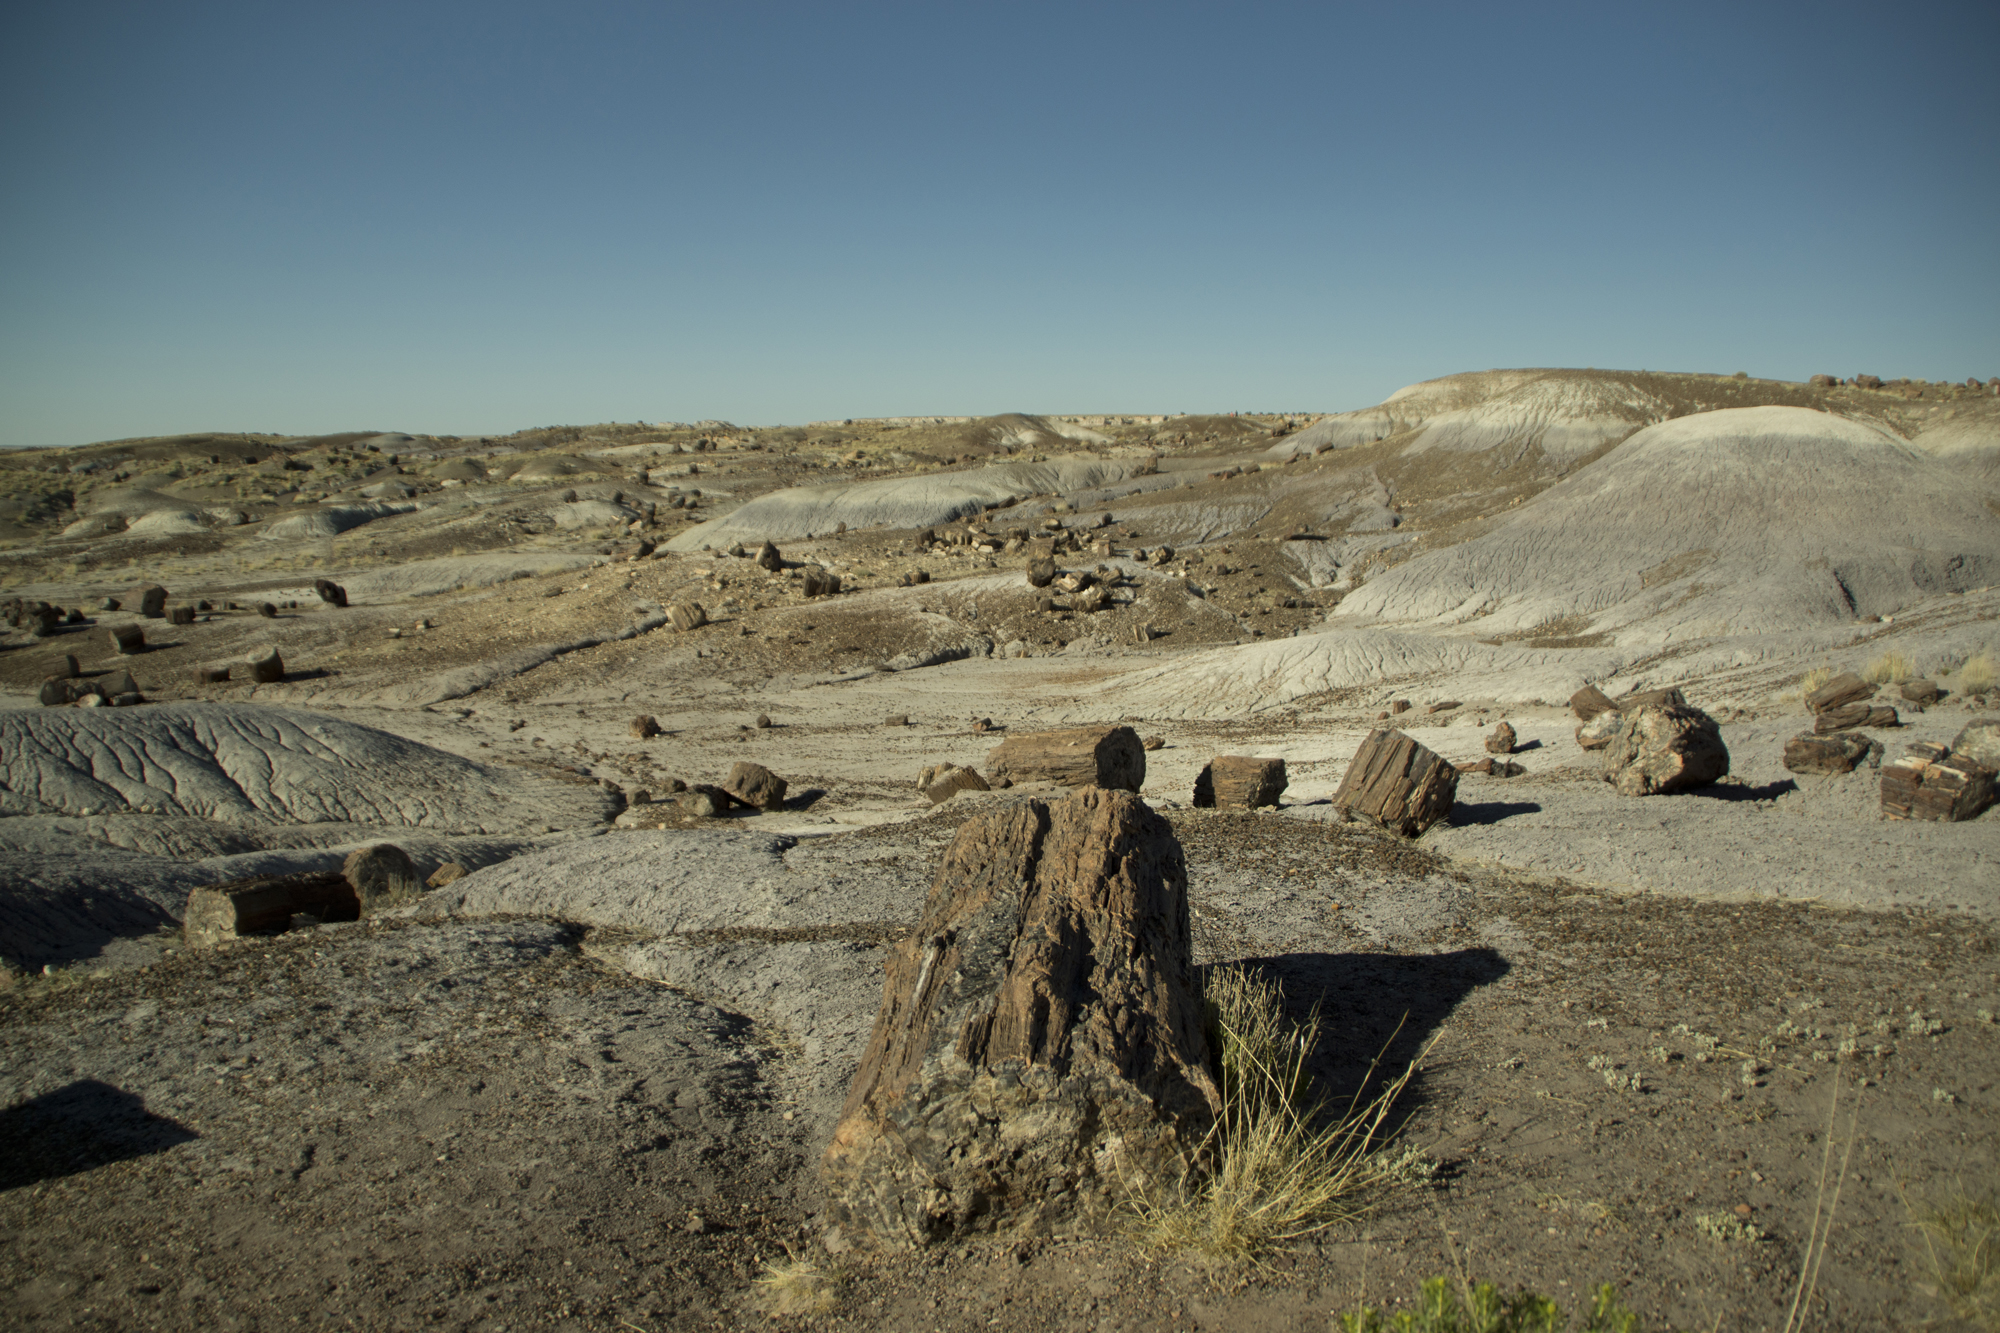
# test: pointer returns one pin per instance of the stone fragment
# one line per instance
(264, 904)
(1399, 705)
(128, 639)
(1398, 783)
(755, 786)
(1041, 573)
(686, 616)
(1041, 1052)
(1922, 692)
(769, 559)
(763, 721)
(1979, 741)
(1155, 742)
(1589, 701)
(109, 604)
(1838, 753)
(180, 615)
(55, 692)
(820, 583)
(896, 720)
(1663, 749)
(645, 727)
(267, 669)
(1239, 782)
(266, 610)
(1845, 717)
(1949, 790)
(702, 801)
(1599, 731)
(1670, 697)
(939, 783)
(151, 601)
(1845, 688)
(1444, 707)
(1502, 740)
(382, 876)
(1096, 756)
(70, 669)
(1494, 768)
(445, 874)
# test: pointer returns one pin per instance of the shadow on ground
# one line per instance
(79, 1127)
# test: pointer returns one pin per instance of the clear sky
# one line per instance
(484, 216)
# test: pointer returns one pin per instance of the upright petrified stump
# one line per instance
(264, 903)
(1398, 783)
(769, 559)
(1664, 749)
(127, 639)
(1239, 782)
(1040, 1052)
(1825, 754)
(381, 876)
(267, 669)
(151, 601)
(1074, 756)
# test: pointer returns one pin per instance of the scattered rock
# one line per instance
(1590, 701)
(1663, 749)
(109, 604)
(70, 669)
(1155, 742)
(1979, 741)
(1041, 1052)
(268, 669)
(151, 601)
(1491, 767)
(1934, 784)
(1041, 573)
(212, 675)
(1398, 784)
(128, 639)
(769, 559)
(686, 616)
(645, 727)
(1239, 782)
(755, 786)
(1808, 753)
(763, 721)
(264, 904)
(382, 876)
(1502, 740)
(1096, 756)
(330, 592)
(266, 610)
(1599, 731)
(820, 583)
(1444, 707)
(445, 874)
(940, 782)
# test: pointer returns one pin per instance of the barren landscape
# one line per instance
(588, 1083)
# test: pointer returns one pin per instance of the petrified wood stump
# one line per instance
(1664, 749)
(1075, 756)
(1398, 783)
(1237, 782)
(1040, 1051)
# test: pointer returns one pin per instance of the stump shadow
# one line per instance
(1465, 814)
(79, 1127)
(1730, 791)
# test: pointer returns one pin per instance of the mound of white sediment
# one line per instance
(166, 523)
(1750, 520)
(252, 765)
(1521, 415)
(912, 502)
(332, 520)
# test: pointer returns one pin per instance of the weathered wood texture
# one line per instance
(940, 782)
(1398, 783)
(264, 903)
(1662, 749)
(1825, 754)
(1098, 756)
(1846, 688)
(1502, 741)
(1040, 1052)
(685, 616)
(1845, 717)
(381, 876)
(1950, 789)
(755, 785)
(1239, 782)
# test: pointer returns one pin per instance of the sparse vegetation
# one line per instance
(1961, 1241)
(1979, 673)
(1480, 1308)
(1283, 1164)
(1888, 668)
(1813, 679)
(798, 1287)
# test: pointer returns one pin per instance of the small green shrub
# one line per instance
(1480, 1308)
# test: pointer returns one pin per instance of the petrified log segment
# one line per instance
(1502, 741)
(221, 912)
(1846, 688)
(685, 616)
(1825, 754)
(1663, 749)
(769, 559)
(1921, 692)
(1949, 789)
(1589, 701)
(268, 669)
(1398, 783)
(1110, 757)
(150, 601)
(940, 782)
(1237, 782)
(1845, 717)
(819, 583)
(755, 786)
(127, 639)
(1040, 1052)
(330, 592)
(381, 876)
(1979, 740)
(1041, 573)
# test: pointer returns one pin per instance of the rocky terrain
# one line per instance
(587, 1079)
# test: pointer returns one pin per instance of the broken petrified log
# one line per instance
(755, 786)
(381, 876)
(128, 639)
(769, 559)
(685, 616)
(151, 602)
(1979, 740)
(1845, 717)
(645, 727)
(180, 615)
(1846, 688)
(1663, 749)
(1041, 573)
(1949, 789)
(330, 592)
(820, 583)
(940, 782)
(1589, 701)
(268, 669)
(1040, 1055)
(1825, 754)
(1239, 782)
(1921, 692)
(264, 903)
(445, 874)
(1398, 783)
(1502, 740)
(1110, 757)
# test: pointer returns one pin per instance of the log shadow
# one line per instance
(805, 800)
(1465, 814)
(79, 1127)
(1730, 791)
(1524, 746)
(1377, 1012)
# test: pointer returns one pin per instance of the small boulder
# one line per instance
(267, 669)
(151, 601)
(896, 720)
(381, 876)
(768, 558)
(445, 874)
(1663, 749)
(1923, 693)
(939, 783)
(266, 610)
(1979, 741)
(819, 583)
(645, 727)
(212, 675)
(1399, 706)
(1154, 743)
(755, 786)
(1590, 701)
(686, 616)
(763, 721)
(1502, 740)
(1598, 732)
(127, 639)
(1041, 573)
(1843, 689)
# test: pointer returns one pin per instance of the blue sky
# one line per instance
(481, 217)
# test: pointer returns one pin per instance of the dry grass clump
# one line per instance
(1482, 1309)
(1979, 673)
(1888, 668)
(1284, 1165)
(1815, 678)
(798, 1287)
(1961, 1239)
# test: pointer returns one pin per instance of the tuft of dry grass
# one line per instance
(1961, 1239)
(1979, 673)
(1888, 668)
(1283, 1165)
(1815, 678)
(798, 1287)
